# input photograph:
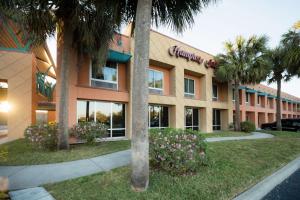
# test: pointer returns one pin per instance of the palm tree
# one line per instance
(78, 24)
(284, 63)
(291, 41)
(278, 72)
(242, 63)
(177, 14)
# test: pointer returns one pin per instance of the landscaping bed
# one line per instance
(233, 167)
(21, 152)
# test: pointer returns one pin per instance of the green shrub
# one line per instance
(43, 136)
(247, 126)
(89, 131)
(177, 151)
(231, 126)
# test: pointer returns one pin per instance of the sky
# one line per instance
(226, 19)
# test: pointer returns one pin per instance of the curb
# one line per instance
(261, 189)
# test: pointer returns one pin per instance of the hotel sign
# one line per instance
(178, 52)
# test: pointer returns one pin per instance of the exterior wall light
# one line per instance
(5, 106)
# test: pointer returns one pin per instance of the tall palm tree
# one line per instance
(242, 63)
(78, 23)
(291, 41)
(278, 72)
(175, 13)
(284, 64)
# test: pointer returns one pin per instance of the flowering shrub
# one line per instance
(89, 131)
(43, 135)
(177, 151)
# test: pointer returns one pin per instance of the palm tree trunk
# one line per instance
(63, 115)
(278, 106)
(139, 141)
(237, 121)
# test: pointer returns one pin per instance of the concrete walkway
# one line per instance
(21, 177)
(253, 136)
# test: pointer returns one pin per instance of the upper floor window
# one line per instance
(189, 87)
(247, 97)
(107, 77)
(258, 100)
(155, 81)
(215, 92)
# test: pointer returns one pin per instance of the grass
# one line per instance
(289, 134)
(20, 152)
(224, 134)
(234, 167)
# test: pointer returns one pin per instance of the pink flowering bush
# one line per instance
(89, 131)
(43, 136)
(177, 151)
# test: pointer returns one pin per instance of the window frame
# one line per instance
(247, 98)
(105, 81)
(215, 98)
(192, 126)
(188, 94)
(215, 116)
(162, 83)
(159, 116)
(110, 129)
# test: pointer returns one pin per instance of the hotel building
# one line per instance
(183, 91)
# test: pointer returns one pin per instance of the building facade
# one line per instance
(22, 101)
(183, 91)
(258, 104)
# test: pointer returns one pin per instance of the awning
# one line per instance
(262, 94)
(250, 90)
(118, 56)
(271, 96)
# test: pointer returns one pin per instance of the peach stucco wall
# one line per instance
(16, 68)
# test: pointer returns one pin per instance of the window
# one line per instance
(108, 113)
(107, 77)
(215, 92)
(192, 118)
(41, 116)
(155, 81)
(189, 87)
(247, 97)
(216, 119)
(258, 100)
(158, 116)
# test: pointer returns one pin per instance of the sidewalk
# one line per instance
(21, 177)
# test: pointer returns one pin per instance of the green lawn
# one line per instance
(224, 134)
(282, 133)
(20, 152)
(234, 167)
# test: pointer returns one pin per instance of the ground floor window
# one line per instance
(111, 114)
(192, 118)
(216, 119)
(158, 116)
(41, 116)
